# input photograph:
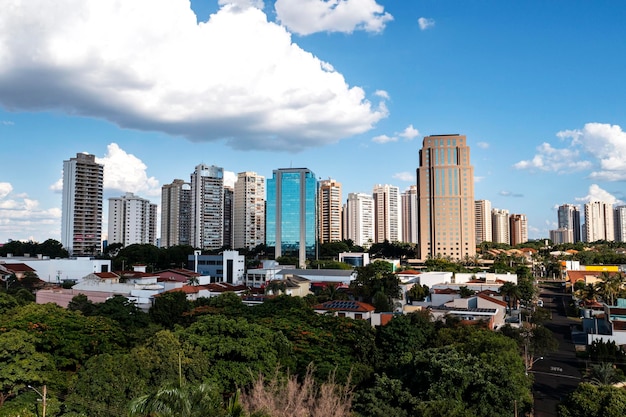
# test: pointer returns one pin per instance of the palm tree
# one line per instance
(588, 293)
(604, 373)
(510, 291)
(610, 286)
(180, 401)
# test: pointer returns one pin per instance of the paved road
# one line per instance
(558, 373)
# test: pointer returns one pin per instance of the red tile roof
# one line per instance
(408, 272)
(492, 299)
(106, 275)
(18, 267)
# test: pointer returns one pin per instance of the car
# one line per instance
(540, 303)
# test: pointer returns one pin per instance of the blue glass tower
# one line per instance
(291, 213)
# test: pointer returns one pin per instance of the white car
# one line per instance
(540, 303)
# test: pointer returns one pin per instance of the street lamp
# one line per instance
(529, 366)
(43, 398)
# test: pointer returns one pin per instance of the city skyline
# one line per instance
(536, 89)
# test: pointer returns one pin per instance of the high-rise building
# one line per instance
(569, 218)
(249, 210)
(228, 216)
(445, 195)
(599, 221)
(620, 223)
(482, 215)
(207, 202)
(562, 235)
(518, 229)
(81, 214)
(387, 216)
(359, 219)
(176, 214)
(329, 211)
(409, 215)
(132, 220)
(500, 226)
(291, 213)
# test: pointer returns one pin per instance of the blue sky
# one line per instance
(346, 88)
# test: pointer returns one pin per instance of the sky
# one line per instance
(346, 88)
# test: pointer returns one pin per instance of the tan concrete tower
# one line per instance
(445, 196)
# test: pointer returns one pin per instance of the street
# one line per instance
(558, 373)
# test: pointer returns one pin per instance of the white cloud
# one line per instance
(230, 178)
(483, 145)
(598, 194)
(21, 218)
(382, 94)
(5, 189)
(384, 139)
(305, 17)
(425, 23)
(125, 172)
(548, 158)
(404, 176)
(599, 147)
(510, 194)
(478, 179)
(148, 65)
(242, 4)
(6, 123)
(409, 133)
(607, 144)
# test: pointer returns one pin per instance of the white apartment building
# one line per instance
(500, 226)
(249, 210)
(329, 211)
(599, 223)
(132, 220)
(81, 209)
(207, 207)
(410, 227)
(387, 213)
(359, 219)
(482, 214)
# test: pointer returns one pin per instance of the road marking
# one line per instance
(559, 375)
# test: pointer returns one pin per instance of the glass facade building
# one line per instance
(291, 213)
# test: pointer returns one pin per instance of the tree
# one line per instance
(418, 292)
(68, 336)
(169, 308)
(180, 401)
(373, 278)
(401, 338)
(387, 397)
(235, 349)
(465, 292)
(609, 286)
(511, 293)
(589, 400)
(22, 365)
(604, 373)
(81, 303)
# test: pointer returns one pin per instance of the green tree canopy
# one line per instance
(590, 400)
(21, 364)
